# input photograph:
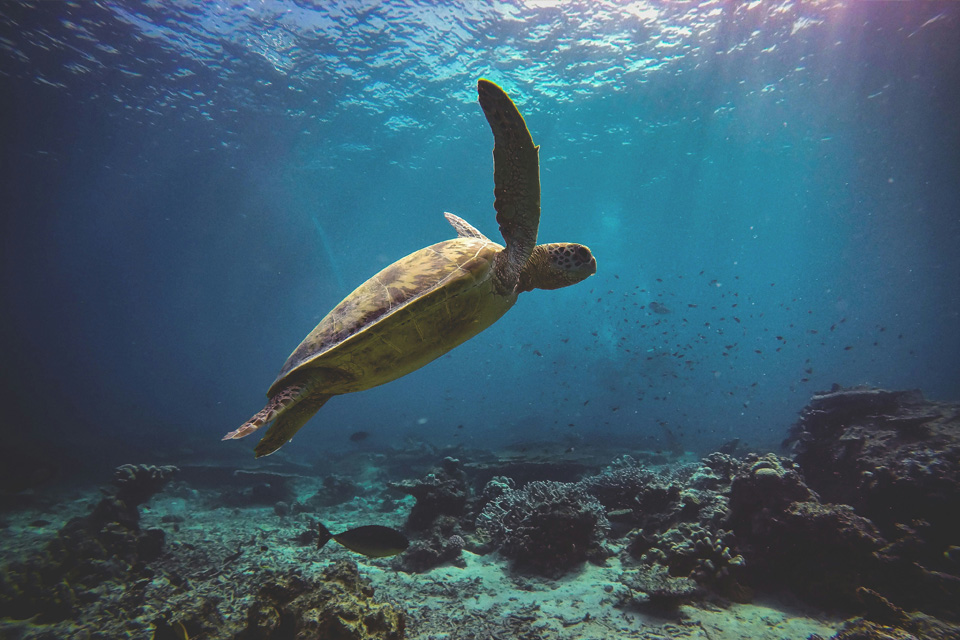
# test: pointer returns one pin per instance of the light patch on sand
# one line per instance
(579, 605)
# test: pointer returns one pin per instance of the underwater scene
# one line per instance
(527, 319)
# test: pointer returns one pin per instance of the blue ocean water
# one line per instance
(189, 187)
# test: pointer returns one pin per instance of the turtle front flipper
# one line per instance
(289, 422)
(516, 177)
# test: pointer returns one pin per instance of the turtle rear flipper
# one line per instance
(277, 406)
(516, 177)
(289, 422)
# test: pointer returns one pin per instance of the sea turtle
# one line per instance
(427, 303)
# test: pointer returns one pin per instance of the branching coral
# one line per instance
(546, 527)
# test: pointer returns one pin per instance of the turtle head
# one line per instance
(556, 265)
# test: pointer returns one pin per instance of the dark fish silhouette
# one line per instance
(359, 436)
(729, 447)
(372, 540)
(656, 307)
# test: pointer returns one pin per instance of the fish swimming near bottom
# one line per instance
(372, 540)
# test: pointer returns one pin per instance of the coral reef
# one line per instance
(442, 492)
(677, 515)
(885, 621)
(708, 490)
(441, 503)
(656, 498)
(546, 527)
(894, 457)
(496, 487)
(431, 551)
(778, 519)
(711, 532)
(105, 546)
(338, 605)
(134, 484)
(891, 455)
(689, 550)
(680, 564)
(767, 484)
(729, 526)
(625, 484)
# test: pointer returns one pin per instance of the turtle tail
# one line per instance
(277, 405)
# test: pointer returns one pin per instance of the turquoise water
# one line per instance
(190, 187)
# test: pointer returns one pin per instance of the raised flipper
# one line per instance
(464, 228)
(288, 424)
(516, 177)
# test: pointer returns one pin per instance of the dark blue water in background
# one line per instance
(187, 189)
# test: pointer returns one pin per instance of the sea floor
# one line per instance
(576, 606)
(216, 558)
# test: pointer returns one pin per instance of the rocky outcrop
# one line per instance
(894, 458)
(891, 455)
(106, 546)
(443, 492)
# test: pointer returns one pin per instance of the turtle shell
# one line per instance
(409, 314)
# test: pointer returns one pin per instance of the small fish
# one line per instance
(373, 540)
(729, 447)
(359, 436)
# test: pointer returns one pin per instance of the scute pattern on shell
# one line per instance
(397, 285)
